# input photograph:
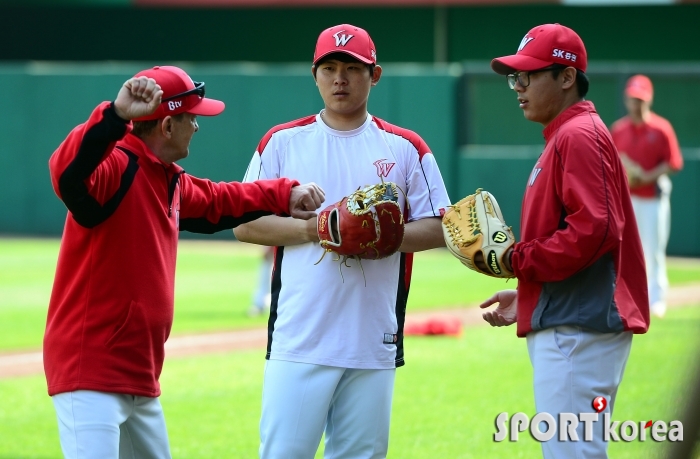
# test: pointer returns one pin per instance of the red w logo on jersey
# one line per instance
(383, 168)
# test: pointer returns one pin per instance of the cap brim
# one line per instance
(208, 107)
(638, 94)
(517, 63)
(355, 55)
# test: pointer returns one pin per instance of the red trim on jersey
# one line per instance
(409, 135)
(280, 127)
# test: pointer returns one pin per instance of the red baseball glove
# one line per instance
(366, 224)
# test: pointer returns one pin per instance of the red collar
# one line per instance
(576, 109)
(135, 144)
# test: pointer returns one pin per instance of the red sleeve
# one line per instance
(588, 179)
(674, 157)
(208, 207)
(616, 132)
(85, 164)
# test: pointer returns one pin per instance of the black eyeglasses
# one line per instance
(198, 89)
(524, 77)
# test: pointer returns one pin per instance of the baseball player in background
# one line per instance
(336, 337)
(111, 307)
(580, 268)
(261, 296)
(649, 151)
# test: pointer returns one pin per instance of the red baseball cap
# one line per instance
(180, 94)
(640, 87)
(348, 39)
(543, 46)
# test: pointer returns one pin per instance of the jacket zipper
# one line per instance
(171, 188)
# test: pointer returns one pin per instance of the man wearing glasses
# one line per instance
(111, 307)
(581, 277)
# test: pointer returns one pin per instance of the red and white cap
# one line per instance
(348, 39)
(640, 87)
(543, 46)
(180, 94)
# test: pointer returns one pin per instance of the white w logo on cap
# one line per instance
(343, 39)
(524, 42)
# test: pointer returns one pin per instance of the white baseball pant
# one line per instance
(301, 399)
(654, 222)
(102, 425)
(571, 367)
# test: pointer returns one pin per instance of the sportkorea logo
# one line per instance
(342, 40)
(544, 426)
(383, 168)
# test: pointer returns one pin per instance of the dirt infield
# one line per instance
(30, 363)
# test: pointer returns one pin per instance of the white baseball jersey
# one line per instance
(329, 313)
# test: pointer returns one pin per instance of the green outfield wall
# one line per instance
(465, 113)
(48, 100)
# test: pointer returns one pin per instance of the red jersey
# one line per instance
(580, 259)
(650, 143)
(111, 307)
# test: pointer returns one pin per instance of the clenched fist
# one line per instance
(138, 97)
(304, 200)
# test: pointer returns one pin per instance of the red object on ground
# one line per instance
(434, 326)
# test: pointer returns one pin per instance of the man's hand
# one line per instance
(506, 312)
(138, 97)
(636, 176)
(304, 200)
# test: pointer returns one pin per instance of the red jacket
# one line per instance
(580, 259)
(111, 307)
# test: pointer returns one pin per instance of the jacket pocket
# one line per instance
(567, 340)
(133, 331)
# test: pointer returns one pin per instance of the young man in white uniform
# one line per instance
(336, 339)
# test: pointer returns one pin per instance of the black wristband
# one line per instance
(112, 111)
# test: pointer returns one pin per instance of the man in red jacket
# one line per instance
(111, 307)
(581, 277)
(649, 150)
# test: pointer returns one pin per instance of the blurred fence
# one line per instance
(464, 112)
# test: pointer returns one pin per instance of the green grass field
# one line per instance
(213, 287)
(446, 397)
